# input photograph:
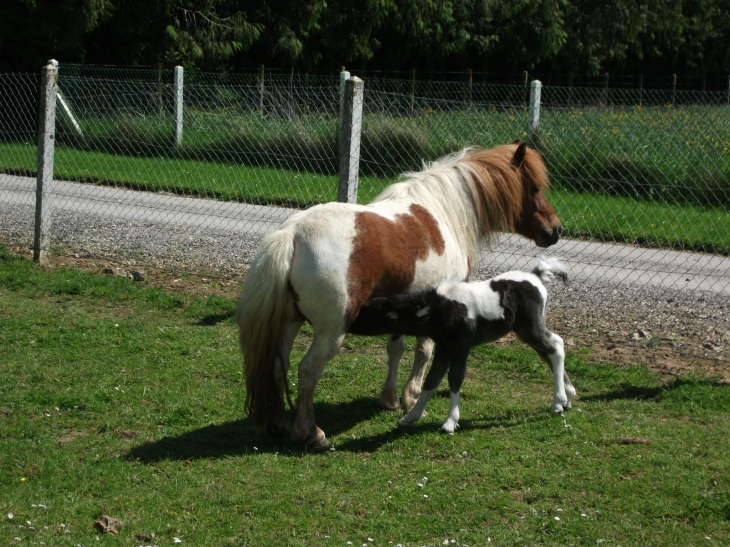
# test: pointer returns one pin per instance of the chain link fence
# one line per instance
(641, 178)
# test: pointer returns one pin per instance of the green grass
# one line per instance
(121, 400)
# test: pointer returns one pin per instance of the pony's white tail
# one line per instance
(550, 268)
(262, 315)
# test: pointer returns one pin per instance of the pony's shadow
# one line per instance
(239, 437)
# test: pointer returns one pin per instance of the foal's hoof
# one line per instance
(449, 428)
(558, 410)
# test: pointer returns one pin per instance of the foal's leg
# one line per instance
(569, 390)
(551, 349)
(389, 393)
(433, 379)
(457, 371)
(412, 389)
(324, 347)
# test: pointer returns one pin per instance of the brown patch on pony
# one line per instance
(385, 252)
(508, 187)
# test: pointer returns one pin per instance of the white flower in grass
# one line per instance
(176, 540)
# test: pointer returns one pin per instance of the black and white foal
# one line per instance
(463, 315)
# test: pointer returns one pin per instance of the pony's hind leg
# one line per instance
(324, 347)
(412, 389)
(389, 393)
(282, 371)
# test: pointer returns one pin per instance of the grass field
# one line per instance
(121, 400)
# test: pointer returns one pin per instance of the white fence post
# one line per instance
(44, 182)
(350, 131)
(178, 105)
(534, 120)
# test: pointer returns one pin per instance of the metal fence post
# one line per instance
(178, 105)
(44, 182)
(350, 131)
(534, 119)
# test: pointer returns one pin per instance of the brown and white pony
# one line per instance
(322, 264)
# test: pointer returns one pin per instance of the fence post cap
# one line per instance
(53, 63)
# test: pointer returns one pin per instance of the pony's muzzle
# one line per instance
(550, 236)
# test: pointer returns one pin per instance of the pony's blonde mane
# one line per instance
(474, 192)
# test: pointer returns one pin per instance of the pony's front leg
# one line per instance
(412, 389)
(435, 375)
(389, 393)
(323, 348)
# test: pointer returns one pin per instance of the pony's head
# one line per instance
(538, 220)
(519, 205)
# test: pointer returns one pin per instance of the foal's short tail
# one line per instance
(262, 315)
(550, 268)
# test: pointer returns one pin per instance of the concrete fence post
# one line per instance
(533, 123)
(178, 105)
(44, 181)
(349, 138)
(262, 75)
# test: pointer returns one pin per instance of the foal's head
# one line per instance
(538, 220)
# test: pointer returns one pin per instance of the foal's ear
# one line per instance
(519, 156)
(516, 141)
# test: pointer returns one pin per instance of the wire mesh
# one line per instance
(640, 177)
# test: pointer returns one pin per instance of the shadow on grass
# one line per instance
(215, 318)
(239, 437)
(678, 388)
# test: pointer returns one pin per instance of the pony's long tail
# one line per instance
(262, 315)
(550, 268)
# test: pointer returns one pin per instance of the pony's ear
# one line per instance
(519, 156)
(516, 141)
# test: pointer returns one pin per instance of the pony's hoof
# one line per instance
(318, 439)
(389, 401)
(558, 410)
(409, 399)
(403, 423)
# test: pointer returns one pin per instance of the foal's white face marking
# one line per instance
(423, 311)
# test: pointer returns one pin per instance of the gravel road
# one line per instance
(619, 297)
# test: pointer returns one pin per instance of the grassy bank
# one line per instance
(125, 401)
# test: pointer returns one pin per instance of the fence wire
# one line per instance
(640, 177)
